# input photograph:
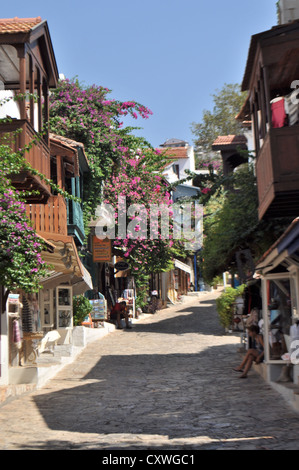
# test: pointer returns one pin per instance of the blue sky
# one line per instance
(169, 55)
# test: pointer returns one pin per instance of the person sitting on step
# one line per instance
(118, 312)
(255, 354)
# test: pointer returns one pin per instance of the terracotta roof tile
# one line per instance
(175, 153)
(18, 25)
(66, 141)
(230, 140)
(73, 144)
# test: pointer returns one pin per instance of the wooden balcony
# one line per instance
(277, 171)
(75, 221)
(38, 156)
(49, 218)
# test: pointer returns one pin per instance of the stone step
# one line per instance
(8, 392)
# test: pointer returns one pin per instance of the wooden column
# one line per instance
(263, 106)
(22, 61)
(45, 90)
(59, 171)
(39, 94)
(31, 90)
(267, 96)
(256, 129)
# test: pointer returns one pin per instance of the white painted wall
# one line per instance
(184, 164)
(8, 108)
(289, 10)
(4, 349)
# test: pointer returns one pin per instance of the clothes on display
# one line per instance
(294, 337)
(285, 111)
(292, 109)
(252, 297)
(294, 332)
(16, 334)
(278, 112)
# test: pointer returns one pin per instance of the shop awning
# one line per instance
(67, 266)
(284, 248)
(182, 266)
(84, 284)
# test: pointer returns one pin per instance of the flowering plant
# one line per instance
(122, 166)
(21, 263)
(148, 242)
(87, 115)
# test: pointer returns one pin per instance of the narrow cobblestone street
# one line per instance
(166, 384)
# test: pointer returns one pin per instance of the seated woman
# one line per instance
(254, 354)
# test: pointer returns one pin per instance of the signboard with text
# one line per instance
(101, 250)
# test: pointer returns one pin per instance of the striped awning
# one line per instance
(182, 266)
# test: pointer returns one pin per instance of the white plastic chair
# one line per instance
(49, 341)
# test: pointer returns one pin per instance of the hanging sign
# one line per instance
(121, 266)
(101, 250)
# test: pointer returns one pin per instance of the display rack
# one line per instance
(128, 295)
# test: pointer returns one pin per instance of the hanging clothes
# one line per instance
(279, 116)
(252, 297)
(294, 338)
(16, 334)
(292, 109)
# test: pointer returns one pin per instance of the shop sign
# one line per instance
(101, 250)
(13, 298)
(121, 266)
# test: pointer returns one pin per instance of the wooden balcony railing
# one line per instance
(38, 156)
(75, 220)
(277, 171)
(49, 218)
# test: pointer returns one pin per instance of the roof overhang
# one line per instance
(281, 251)
(182, 266)
(275, 36)
(36, 34)
(67, 266)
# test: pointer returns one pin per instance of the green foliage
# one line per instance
(225, 305)
(81, 308)
(87, 115)
(21, 263)
(220, 121)
(231, 223)
(217, 281)
(142, 285)
(121, 164)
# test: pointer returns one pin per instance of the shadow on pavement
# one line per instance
(174, 395)
(179, 399)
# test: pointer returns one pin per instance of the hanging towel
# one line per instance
(16, 335)
(278, 112)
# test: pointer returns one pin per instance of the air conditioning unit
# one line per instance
(288, 11)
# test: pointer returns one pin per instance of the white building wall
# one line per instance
(8, 108)
(4, 350)
(289, 11)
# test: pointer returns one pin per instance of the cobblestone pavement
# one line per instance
(167, 384)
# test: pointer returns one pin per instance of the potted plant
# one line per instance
(81, 309)
(225, 305)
